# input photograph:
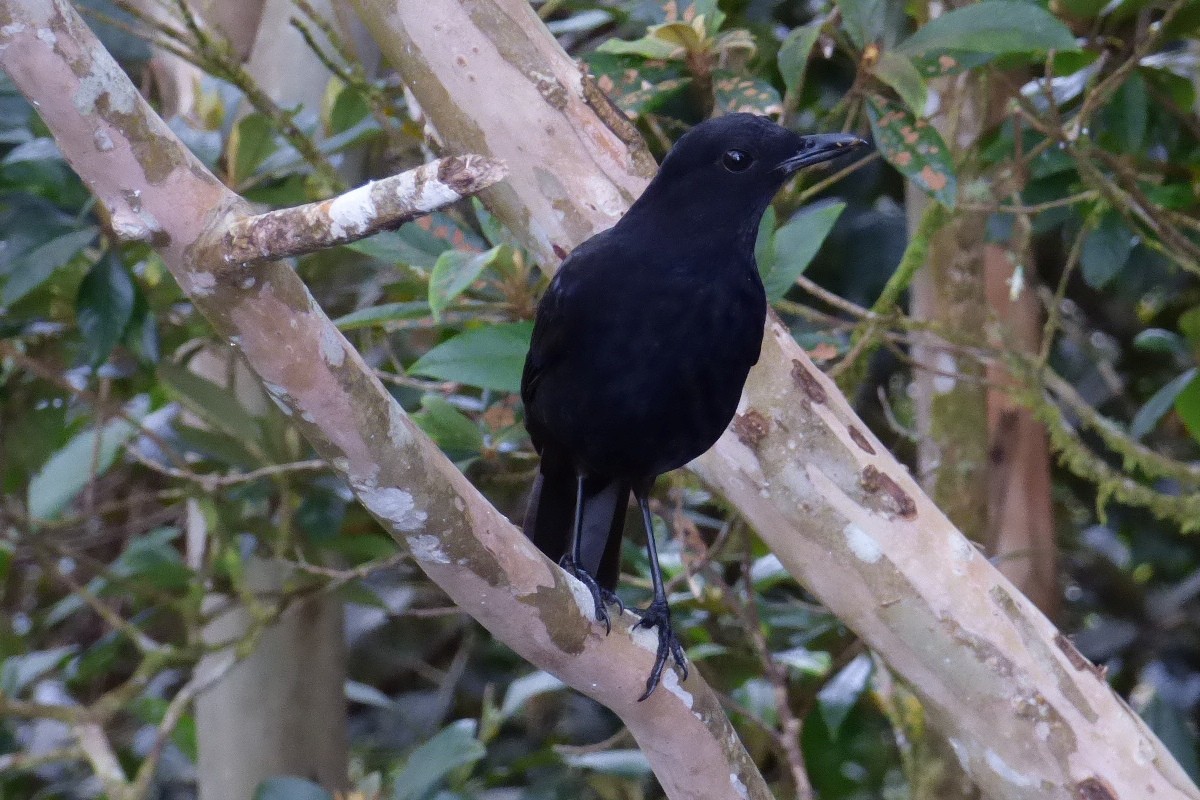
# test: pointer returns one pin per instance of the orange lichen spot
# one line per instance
(902, 159)
(751, 428)
(947, 62)
(605, 83)
(499, 417)
(933, 179)
(824, 351)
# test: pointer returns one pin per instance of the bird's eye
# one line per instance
(737, 160)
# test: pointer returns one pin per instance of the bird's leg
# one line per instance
(658, 614)
(572, 563)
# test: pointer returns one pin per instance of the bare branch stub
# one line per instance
(361, 212)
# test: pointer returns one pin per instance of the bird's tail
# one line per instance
(551, 510)
(550, 518)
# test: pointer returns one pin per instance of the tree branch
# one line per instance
(359, 213)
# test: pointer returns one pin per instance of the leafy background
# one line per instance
(121, 414)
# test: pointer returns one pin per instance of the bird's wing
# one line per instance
(555, 326)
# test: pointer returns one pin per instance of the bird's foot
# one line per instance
(602, 597)
(658, 615)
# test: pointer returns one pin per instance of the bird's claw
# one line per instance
(600, 596)
(658, 615)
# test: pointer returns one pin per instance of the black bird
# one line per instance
(642, 344)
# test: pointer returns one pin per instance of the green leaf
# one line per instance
(646, 47)
(19, 671)
(805, 661)
(493, 229)
(1187, 406)
(382, 314)
(764, 243)
(1106, 248)
(637, 86)
(793, 56)
(866, 21)
(215, 404)
(453, 431)
(1129, 113)
(452, 747)
(797, 242)
(526, 687)
(995, 27)
(368, 695)
(1172, 728)
(453, 272)
(141, 335)
(914, 147)
(1159, 404)
(250, 142)
(33, 268)
(628, 764)
(412, 245)
(286, 787)
(1157, 340)
(490, 357)
(103, 307)
(65, 474)
(843, 691)
(1084, 9)
(898, 72)
(153, 560)
(1189, 326)
(349, 109)
(733, 93)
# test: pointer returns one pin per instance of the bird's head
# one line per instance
(728, 168)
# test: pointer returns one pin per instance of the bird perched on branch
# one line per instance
(642, 344)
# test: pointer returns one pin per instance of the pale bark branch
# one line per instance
(147, 177)
(1020, 707)
(359, 213)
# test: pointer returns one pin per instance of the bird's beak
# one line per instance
(822, 147)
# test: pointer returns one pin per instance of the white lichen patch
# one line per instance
(105, 79)
(12, 29)
(670, 682)
(201, 284)
(396, 506)
(735, 782)
(1013, 776)
(960, 752)
(961, 550)
(946, 368)
(47, 36)
(645, 638)
(428, 547)
(102, 140)
(861, 543)
(426, 196)
(583, 598)
(331, 345)
(398, 431)
(279, 397)
(351, 212)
